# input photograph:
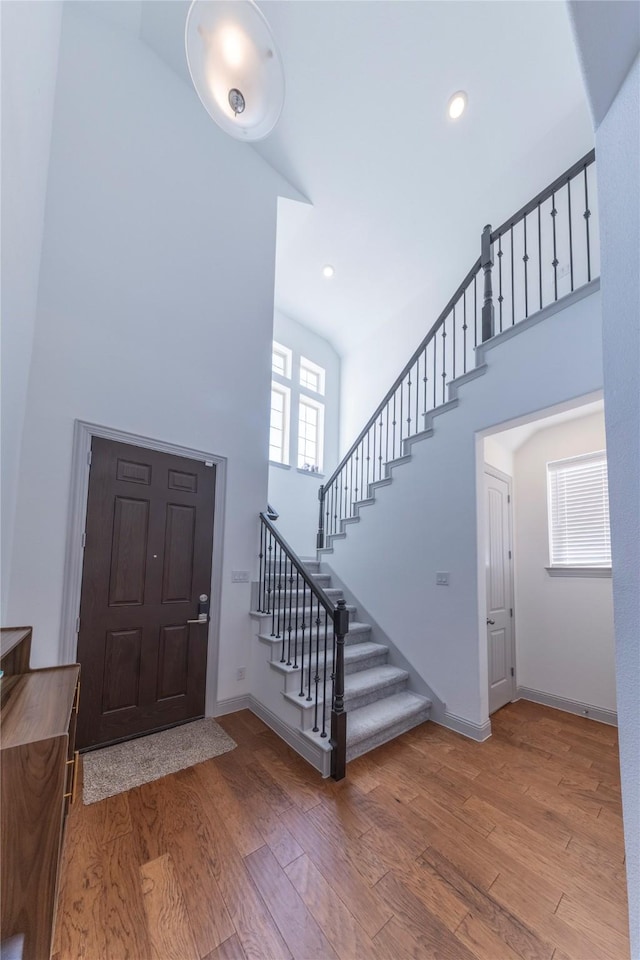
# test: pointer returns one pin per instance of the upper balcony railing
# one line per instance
(545, 251)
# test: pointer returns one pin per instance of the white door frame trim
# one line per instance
(499, 475)
(83, 433)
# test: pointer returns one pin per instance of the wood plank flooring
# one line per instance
(434, 847)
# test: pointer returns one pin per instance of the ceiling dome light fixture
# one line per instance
(328, 271)
(235, 66)
(457, 105)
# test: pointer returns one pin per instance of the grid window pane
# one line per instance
(311, 376)
(308, 435)
(278, 429)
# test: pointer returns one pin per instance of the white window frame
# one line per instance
(313, 368)
(319, 407)
(286, 445)
(287, 356)
(581, 482)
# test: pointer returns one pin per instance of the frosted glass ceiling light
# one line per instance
(235, 66)
(457, 104)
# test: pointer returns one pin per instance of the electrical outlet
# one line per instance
(442, 578)
(239, 576)
(242, 672)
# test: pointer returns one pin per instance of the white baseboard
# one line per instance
(474, 731)
(232, 705)
(295, 739)
(600, 714)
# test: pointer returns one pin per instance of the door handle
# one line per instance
(492, 622)
(203, 618)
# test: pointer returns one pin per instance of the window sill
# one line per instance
(602, 572)
(311, 473)
(281, 466)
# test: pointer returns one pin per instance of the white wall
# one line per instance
(292, 492)
(496, 455)
(563, 625)
(30, 40)
(156, 306)
(427, 519)
(617, 141)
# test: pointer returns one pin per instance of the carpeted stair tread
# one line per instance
(367, 721)
(356, 684)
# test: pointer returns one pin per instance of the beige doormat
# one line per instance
(113, 770)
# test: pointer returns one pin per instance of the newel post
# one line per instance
(338, 716)
(486, 262)
(320, 537)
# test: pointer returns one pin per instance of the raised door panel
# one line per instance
(128, 551)
(177, 579)
(122, 661)
(173, 662)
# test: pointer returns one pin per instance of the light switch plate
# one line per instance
(239, 576)
(442, 578)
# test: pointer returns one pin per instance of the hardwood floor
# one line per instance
(434, 847)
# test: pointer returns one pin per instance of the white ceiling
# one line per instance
(514, 437)
(399, 194)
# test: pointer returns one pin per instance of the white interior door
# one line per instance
(499, 590)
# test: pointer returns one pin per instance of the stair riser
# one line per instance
(309, 614)
(276, 646)
(292, 680)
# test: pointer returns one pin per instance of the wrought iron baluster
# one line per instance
(373, 427)
(555, 260)
(386, 443)
(500, 296)
(408, 407)
(453, 347)
(444, 357)
(316, 678)
(260, 576)
(380, 450)
(323, 734)
(289, 625)
(540, 253)
(570, 233)
(464, 329)
(417, 421)
(475, 310)
(393, 450)
(303, 628)
(270, 607)
(351, 510)
(295, 634)
(401, 417)
(513, 289)
(279, 589)
(425, 380)
(368, 459)
(587, 215)
(526, 262)
(435, 379)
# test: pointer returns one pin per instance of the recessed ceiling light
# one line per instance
(457, 104)
(328, 271)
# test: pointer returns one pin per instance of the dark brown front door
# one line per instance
(147, 563)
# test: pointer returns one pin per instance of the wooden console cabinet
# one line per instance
(38, 766)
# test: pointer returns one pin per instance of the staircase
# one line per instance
(377, 700)
(336, 695)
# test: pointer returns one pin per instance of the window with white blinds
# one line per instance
(579, 534)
